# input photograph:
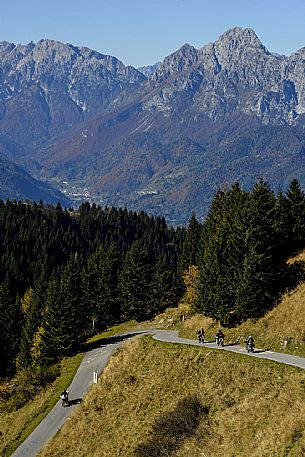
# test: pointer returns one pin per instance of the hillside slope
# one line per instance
(17, 184)
(141, 406)
(281, 329)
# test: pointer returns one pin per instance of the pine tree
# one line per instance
(32, 305)
(190, 250)
(134, 284)
(296, 216)
(163, 293)
(10, 321)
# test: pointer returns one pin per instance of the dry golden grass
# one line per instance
(286, 322)
(257, 408)
(282, 329)
(15, 426)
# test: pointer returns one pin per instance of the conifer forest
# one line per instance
(66, 274)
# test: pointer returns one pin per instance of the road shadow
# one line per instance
(229, 344)
(74, 401)
(102, 342)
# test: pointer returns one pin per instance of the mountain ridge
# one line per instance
(161, 143)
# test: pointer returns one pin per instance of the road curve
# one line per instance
(95, 361)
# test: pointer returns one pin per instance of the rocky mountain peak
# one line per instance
(179, 61)
(238, 35)
(182, 59)
(237, 44)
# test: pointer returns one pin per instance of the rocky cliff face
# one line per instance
(57, 85)
(149, 70)
(234, 74)
(230, 111)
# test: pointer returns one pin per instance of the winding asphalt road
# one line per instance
(95, 361)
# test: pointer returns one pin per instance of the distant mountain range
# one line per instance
(163, 139)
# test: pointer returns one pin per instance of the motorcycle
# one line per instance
(250, 347)
(201, 338)
(219, 341)
(64, 400)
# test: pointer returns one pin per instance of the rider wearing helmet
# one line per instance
(250, 343)
(220, 336)
(65, 396)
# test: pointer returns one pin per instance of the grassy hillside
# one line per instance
(149, 392)
(17, 424)
(282, 329)
(141, 406)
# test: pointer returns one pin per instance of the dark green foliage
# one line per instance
(170, 430)
(10, 322)
(63, 326)
(242, 262)
(295, 217)
(190, 250)
(263, 263)
(135, 284)
(162, 286)
(31, 321)
(82, 252)
(100, 287)
(221, 254)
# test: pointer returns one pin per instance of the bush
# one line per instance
(27, 384)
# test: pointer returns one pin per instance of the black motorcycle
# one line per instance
(64, 399)
(250, 347)
(219, 341)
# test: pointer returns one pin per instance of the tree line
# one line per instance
(241, 250)
(66, 274)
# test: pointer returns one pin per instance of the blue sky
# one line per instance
(144, 32)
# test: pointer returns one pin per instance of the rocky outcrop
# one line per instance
(66, 84)
(234, 74)
(149, 70)
(205, 118)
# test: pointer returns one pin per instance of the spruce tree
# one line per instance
(135, 284)
(163, 292)
(74, 313)
(56, 339)
(91, 286)
(190, 249)
(296, 216)
(263, 265)
(241, 264)
(10, 321)
(108, 304)
(32, 306)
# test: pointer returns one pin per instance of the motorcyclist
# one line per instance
(219, 337)
(65, 397)
(250, 343)
(200, 334)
